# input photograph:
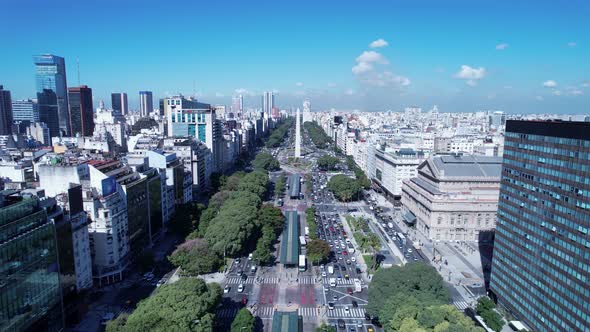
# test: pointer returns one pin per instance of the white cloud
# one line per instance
(508, 87)
(384, 79)
(550, 84)
(372, 56)
(241, 91)
(572, 44)
(378, 43)
(299, 84)
(331, 85)
(557, 93)
(471, 75)
(349, 92)
(586, 85)
(501, 47)
(576, 92)
(539, 98)
(361, 68)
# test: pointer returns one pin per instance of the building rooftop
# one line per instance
(466, 166)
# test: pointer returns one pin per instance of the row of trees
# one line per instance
(413, 298)
(486, 309)
(266, 161)
(328, 163)
(278, 135)
(344, 188)
(186, 305)
(280, 186)
(235, 222)
(317, 135)
(361, 177)
(311, 223)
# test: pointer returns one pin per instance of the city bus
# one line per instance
(401, 238)
(302, 263)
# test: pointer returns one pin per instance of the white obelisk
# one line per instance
(297, 135)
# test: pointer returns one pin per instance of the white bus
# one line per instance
(401, 238)
(332, 282)
(302, 263)
(306, 231)
(302, 241)
(330, 269)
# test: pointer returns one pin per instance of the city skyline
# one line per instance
(518, 58)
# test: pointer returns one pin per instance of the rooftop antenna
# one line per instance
(194, 89)
(78, 66)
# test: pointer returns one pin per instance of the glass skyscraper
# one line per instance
(52, 93)
(146, 103)
(81, 110)
(30, 295)
(541, 263)
(5, 112)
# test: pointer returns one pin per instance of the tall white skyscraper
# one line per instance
(306, 111)
(297, 134)
(268, 102)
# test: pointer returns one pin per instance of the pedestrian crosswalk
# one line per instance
(239, 280)
(461, 305)
(309, 311)
(263, 312)
(343, 282)
(307, 280)
(351, 312)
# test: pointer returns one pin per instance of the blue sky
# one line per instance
(516, 56)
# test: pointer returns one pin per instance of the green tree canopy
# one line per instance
(318, 250)
(266, 161)
(311, 223)
(325, 328)
(244, 321)
(317, 134)
(344, 188)
(271, 216)
(186, 305)
(194, 257)
(328, 163)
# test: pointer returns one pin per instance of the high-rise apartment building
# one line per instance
(52, 93)
(541, 263)
(81, 110)
(5, 112)
(119, 103)
(25, 110)
(146, 103)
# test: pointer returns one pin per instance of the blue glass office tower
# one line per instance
(30, 293)
(52, 93)
(541, 263)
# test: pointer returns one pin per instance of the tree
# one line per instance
(343, 187)
(328, 163)
(311, 223)
(485, 308)
(232, 182)
(325, 328)
(194, 257)
(266, 162)
(186, 305)
(271, 216)
(373, 243)
(117, 324)
(318, 250)
(280, 186)
(217, 181)
(186, 218)
(419, 280)
(244, 321)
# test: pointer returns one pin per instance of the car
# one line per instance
(335, 297)
(346, 309)
(346, 276)
(324, 274)
(415, 259)
(348, 262)
(341, 324)
(244, 277)
(367, 316)
(244, 300)
(240, 288)
(239, 273)
(410, 250)
(330, 305)
(359, 323)
(355, 304)
(353, 259)
(407, 255)
(370, 329)
(349, 291)
(226, 289)
(237, 260)
(345, 253)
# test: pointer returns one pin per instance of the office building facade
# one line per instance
(81, 110)
(541, 263)
(146, 103)
(52, 93)
(5, 112)
(25, 110)
(30, 296)
(119, 103)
